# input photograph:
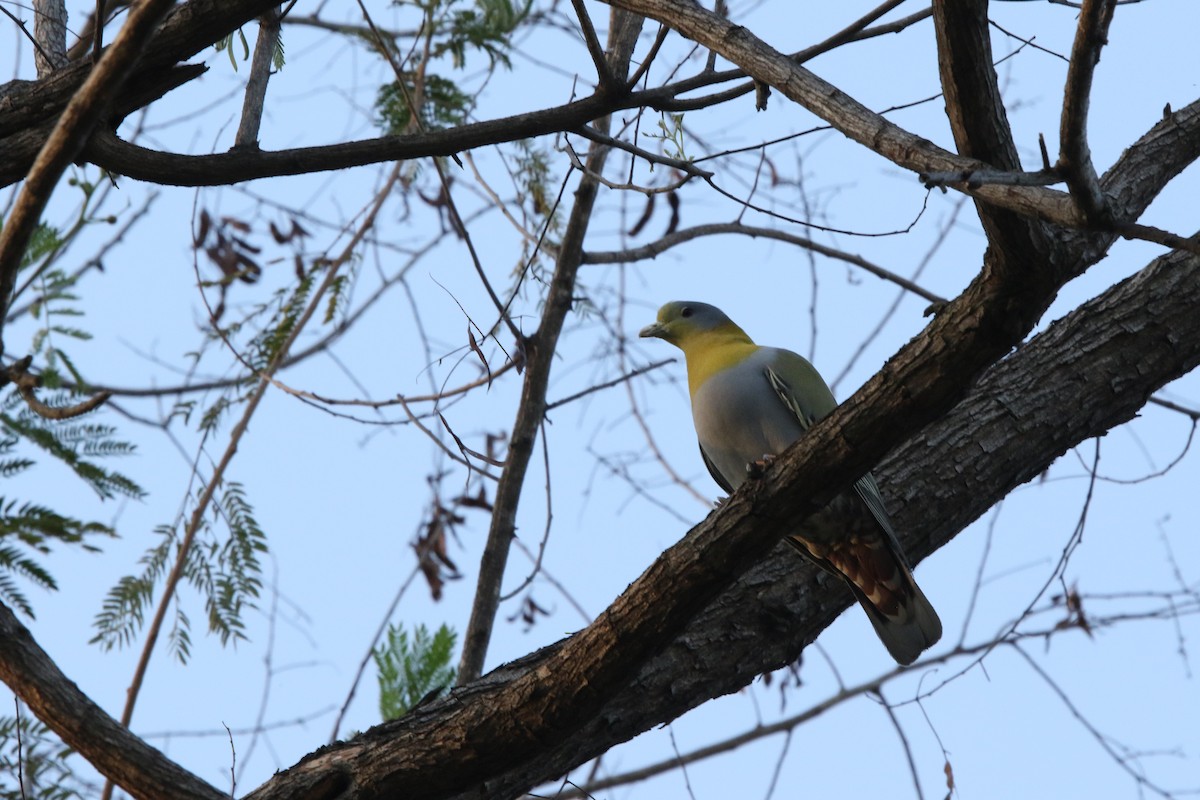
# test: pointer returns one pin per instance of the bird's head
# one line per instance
(683, 322)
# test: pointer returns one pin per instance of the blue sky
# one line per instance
(341, 500)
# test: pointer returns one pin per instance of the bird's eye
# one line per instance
(686, 312)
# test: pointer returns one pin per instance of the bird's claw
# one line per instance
(755, 469)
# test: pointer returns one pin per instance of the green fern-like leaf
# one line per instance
(29, 748)
(69, 443)
(28, 531)
(290, 306)
(410, 671)
(124, 608)
(239, 577)
(13, 466)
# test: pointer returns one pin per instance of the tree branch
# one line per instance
(68, 137)
(1075, 157)
(540, 352)
(140, 769)
(260, 75)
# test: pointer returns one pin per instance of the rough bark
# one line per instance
(141, 769)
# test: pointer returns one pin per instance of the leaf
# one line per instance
(411, 671)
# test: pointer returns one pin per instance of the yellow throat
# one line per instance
(712, 351)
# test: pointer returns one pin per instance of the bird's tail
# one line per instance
(908, 627)
(902, 616)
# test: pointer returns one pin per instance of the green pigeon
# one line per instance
(748, 404)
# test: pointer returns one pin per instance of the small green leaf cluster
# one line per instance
(671, 134)
(488, 28)
(27, 529)
(289, 305)
(409, 671)
(444, 104)
(451, 29)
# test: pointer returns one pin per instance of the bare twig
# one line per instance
(20, 23)
(686, 167)
(609, 384)
(659, 246)
(370, 651)
(659, 38)
(603, 73)
(908, 756)
(1103, 740)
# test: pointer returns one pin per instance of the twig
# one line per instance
(20, 746)
(659, 246)
(455, 218)
(941, 238)
(603, 73)
(461, 459)
(1081, 718)
(659, 38)
(370, 652)
(912, 764)
(537, 561)
(1164, 403)
(20, 23)
(609, 384)
(687, 167)
(531, 411)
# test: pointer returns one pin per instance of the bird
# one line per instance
(749, 403)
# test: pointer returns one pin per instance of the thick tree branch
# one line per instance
(186, 30)
(1086, 374)
(28, 109)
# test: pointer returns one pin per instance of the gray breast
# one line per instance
(739, 419)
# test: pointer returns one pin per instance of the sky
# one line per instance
(342, 500)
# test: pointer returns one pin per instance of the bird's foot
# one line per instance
(755, 469)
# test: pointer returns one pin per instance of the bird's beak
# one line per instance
(652, 331)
